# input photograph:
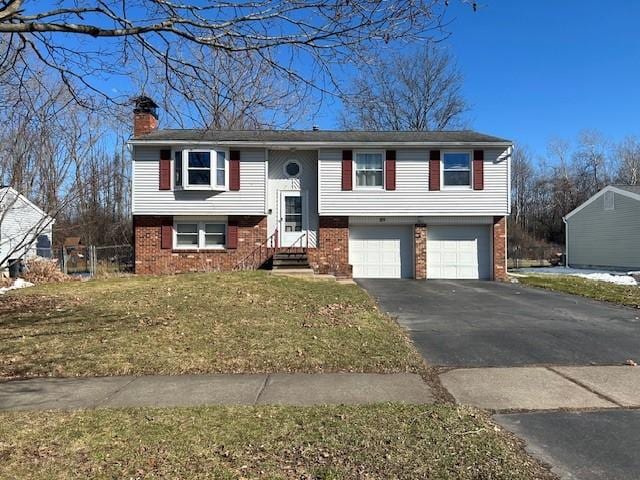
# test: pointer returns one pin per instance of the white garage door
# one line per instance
(381, 252)
(459, 252)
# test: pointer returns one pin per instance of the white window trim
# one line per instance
(456, 187)
(213, 170)
(287, 162)
(201, 234)
(355, 170)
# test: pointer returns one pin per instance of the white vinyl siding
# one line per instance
(148, 199)
(598, 237)
(412, 195)
(20, 224)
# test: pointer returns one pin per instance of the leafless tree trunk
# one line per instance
(416, 91)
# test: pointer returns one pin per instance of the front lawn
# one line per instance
(608, 292)
(197, 323)
(339, 442)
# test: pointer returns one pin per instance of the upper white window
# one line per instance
(456, 169)
(199, 235)
(369, 169)
(200, 169)
(609, 201)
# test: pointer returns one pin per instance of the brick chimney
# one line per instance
(145, 116)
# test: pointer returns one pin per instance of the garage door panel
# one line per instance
(459, 252)
(381, 252)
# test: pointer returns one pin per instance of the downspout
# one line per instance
(566, 242)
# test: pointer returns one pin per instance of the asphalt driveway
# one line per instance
(476, 323)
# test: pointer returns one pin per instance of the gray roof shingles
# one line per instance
(310, 136)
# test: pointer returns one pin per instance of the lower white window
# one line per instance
(199, 234)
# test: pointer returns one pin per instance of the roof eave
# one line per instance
(310, 144)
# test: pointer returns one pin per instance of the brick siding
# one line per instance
(332, 254)
(420, 254)
(500, 248)
(151, 259)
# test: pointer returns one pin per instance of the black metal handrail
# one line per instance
(263, 247)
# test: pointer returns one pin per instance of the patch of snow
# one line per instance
(18, 283)
(607, 277)
(611, 276)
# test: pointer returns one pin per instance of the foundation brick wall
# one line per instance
(500, 248)
(420, 254)
(151, 259)
(332, 254)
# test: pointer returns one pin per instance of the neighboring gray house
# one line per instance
(25, 229)
(604, 232)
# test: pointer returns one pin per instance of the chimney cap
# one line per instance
(144, 104)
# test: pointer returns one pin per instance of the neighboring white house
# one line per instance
(25, 229)
(604, 232)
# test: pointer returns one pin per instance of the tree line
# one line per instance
(546, 188)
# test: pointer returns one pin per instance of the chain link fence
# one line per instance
(97, 261)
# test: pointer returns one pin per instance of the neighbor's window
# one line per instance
(200, 235)
(609, 201)
(456, 168)
(369, 169)
(200, 169)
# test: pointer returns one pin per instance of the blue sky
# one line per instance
(544, 68)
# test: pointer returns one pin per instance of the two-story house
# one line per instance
(369, 204)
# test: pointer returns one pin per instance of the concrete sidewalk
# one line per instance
(545, 388)
(223, 389)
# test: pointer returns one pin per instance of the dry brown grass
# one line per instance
(288, 443)
(198, 323)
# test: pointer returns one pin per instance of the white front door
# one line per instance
(293, 219)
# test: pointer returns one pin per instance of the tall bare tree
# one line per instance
(522, 182)
(590, 163)
(628, 153)
(413, 91)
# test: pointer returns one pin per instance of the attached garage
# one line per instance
(381, 251)
(459, 252)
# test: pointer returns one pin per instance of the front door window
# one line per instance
(293, 214)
